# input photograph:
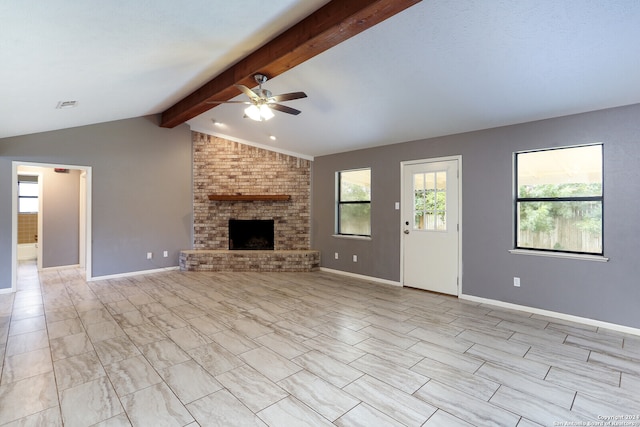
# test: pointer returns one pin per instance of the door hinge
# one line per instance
(458, 227)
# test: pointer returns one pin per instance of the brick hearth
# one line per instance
(225, 260)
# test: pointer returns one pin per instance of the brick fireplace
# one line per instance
(251, 234)
(228, 168)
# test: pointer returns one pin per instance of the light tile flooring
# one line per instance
(285, 349)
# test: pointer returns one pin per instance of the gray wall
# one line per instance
(603, 291)
(142, 198)
(60, 218)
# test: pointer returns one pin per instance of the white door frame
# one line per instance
(402, 195)
(82, 244)
(14, 217)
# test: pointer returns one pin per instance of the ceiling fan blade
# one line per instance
(251, 94)
(287, 96)
(284, 109)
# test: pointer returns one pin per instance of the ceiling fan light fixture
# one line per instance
(259, 113)
(253, 112)
(265, 112)
(262, 102)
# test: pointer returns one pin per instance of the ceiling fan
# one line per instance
(261, 101)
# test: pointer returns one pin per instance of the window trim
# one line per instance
(566, 255)
(355, 202)
(598, 256)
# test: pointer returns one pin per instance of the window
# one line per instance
(27, 197)
(430, 201)
(559, 200)
(354, 202)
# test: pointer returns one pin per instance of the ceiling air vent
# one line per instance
(66, 104)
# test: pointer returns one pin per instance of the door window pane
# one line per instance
(430, 201)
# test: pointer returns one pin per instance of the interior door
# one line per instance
(430, 225)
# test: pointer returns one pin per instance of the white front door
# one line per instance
(430, 225)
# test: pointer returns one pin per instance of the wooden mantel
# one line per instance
(249, 197)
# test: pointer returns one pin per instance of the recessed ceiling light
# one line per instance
(66, 104)
(272, 137)
(217, 123)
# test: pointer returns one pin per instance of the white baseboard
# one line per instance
(361, 276)
(61, 267)
(555, 314)
(133, 273)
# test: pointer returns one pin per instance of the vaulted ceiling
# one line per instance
(439, 67)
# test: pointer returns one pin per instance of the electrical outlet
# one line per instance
(355, 258)
(149, 255)
(165, 254)
(516, 282)
(336, 256)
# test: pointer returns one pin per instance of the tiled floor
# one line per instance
(286, 349)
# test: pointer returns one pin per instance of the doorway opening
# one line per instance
(29, 208)
(63, 237)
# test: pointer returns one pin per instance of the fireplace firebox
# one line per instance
(251, 234)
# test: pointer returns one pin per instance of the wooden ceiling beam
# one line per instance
(333, 23)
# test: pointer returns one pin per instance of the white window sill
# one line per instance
(346, 236)
(582, 257)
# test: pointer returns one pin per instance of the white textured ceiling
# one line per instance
(440, 67)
